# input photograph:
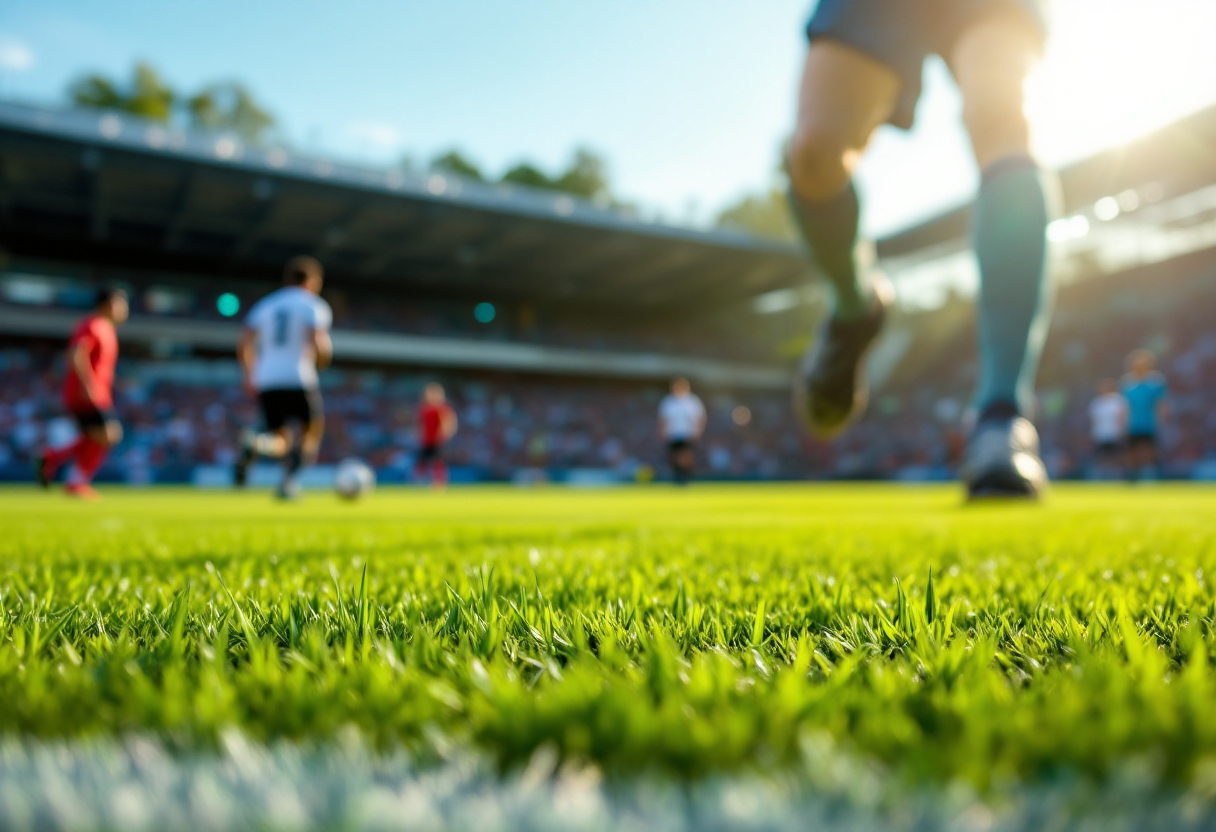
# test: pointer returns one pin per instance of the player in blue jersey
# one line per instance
(862, 69)
(1146, 393)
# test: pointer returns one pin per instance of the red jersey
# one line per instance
(96, 335)
(431, 418)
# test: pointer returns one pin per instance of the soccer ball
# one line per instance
(354, 478)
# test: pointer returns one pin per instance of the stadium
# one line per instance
(591, 310)
(525, 583)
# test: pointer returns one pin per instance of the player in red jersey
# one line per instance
(88, 395)
(436, 425)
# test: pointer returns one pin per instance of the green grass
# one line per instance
(691, 633)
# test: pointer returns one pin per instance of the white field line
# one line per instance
(136, 785)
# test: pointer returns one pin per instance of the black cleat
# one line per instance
(831, 389)
(41, 474)
(240, 471)
(1002, 458)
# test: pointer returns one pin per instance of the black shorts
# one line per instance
(676, 446)
(902, 33)
(1107, 449)
(280, 407)
(92, 417)
(429, 453)
(1142, 440)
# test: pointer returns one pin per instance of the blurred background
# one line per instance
(553, 208)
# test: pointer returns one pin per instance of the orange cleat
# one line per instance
(82, 491)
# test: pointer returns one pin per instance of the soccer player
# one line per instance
(1145, 390)
(88, 396)
(285, 340)
(862, 69)
(681, 422)
(436, 425)
(1108, 426)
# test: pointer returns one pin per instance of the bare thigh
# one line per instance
(990, 62)
(845, 96)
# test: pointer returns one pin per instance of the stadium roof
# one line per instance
(108, 188)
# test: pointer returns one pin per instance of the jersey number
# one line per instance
(281, 321)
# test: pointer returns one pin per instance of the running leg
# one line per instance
(845, 96)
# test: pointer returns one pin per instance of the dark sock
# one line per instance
(1009, 233)
(830, 231)
(295, 460)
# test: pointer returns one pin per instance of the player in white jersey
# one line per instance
(285, 340)
(681, 421)
(1108, 428)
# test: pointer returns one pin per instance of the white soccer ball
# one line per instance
(354, 478)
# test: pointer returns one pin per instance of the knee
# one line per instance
(997, 127)
(819, 163)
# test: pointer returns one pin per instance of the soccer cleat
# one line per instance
(82, 491)
(288, 490)
(831, 388)
(1002, 458)
(42, 471)
(240, 471)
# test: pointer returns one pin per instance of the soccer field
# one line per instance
(759, 632)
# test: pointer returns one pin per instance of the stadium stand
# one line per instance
(594, 310)
(186, 412)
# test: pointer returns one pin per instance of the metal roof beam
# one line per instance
(6, 207)
(92, 161)
(339, 231)
(178, 213)
(265, 192)
(377, 263)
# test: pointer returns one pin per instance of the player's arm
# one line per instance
(322, 344)
(246, 353)
(78, 360)
(450, 424)
(700, 427)
(322, 347)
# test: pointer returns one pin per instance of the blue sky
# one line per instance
(688, 99)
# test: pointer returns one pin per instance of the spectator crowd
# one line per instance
(179, 414)
(183, 413)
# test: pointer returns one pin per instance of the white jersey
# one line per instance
(1108, 418)
(284, 321)
(682, 417)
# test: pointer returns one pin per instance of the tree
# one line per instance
(457, 163)
(145, 95)
(529, 176)
(586, 176)
(763, 215)
(229, 106)
(219, 106)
